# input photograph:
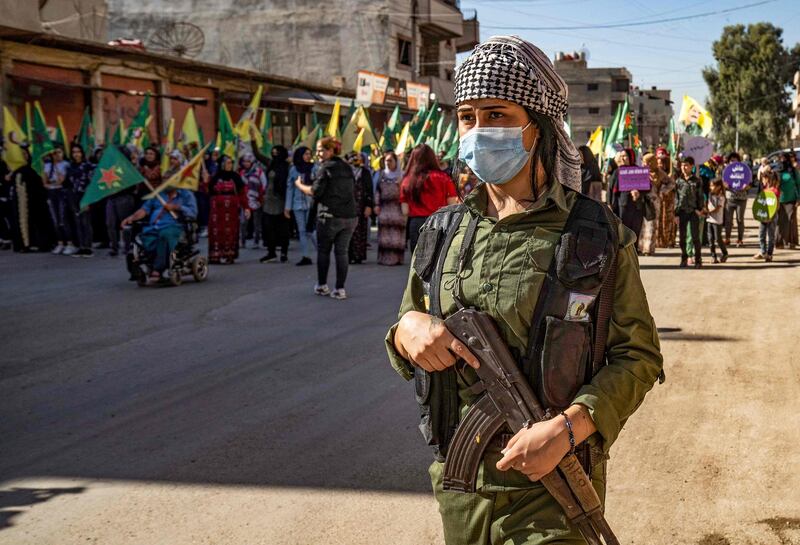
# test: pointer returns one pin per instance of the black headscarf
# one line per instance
(145, 162)
(280, 166)
(303, 167)
(222, 175)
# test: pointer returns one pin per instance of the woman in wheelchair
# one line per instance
(165, 225)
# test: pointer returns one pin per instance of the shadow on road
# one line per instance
(677, 334)
(23, 497)
(248, 379)
(727, 266)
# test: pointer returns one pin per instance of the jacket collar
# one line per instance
(555, 194)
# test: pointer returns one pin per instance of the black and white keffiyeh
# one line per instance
(509, 68)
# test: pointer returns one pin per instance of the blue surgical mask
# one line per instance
(494, 154)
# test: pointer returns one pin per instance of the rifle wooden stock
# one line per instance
(510, 400)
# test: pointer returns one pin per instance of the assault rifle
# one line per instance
(509, 400)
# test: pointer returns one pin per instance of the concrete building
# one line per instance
(653, 109)
(84, 19)
(66, 75)
(594, 93)
(322, 43)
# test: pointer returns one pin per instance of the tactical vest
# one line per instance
(569, 326)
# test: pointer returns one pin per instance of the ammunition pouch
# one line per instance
(561, 357)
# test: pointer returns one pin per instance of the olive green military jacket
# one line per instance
(504, 277)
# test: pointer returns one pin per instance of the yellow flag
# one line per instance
(695, 119)
(333, 124)
(359, 141)
(405, 141)
(12, 138)
(189, 131)
(188, 177)
(248, 118)
(169, 145)
(596, 141)
(375, 163)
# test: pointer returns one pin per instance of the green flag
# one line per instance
(351, 110)
(119, 133)
(452, 153)
(86, 132)
(449, 134)
(310, 141)
(302, 135)
(612, 133)
(388, 138)
(394, 121)
(671, 144)
(439, 133)
(428, 124)
(624, 122)
(113, 174)
(226, 131)
(40, 138)
(139, 123)
(266, 133)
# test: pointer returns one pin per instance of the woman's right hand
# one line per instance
(424, 340)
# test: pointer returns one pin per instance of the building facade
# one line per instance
(653, 109)
(57, 52)
(323, 43)
(594, 93)
(83, 19)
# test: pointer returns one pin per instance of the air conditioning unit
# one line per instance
(337, 82)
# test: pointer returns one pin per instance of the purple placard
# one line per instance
(631, 178)
(737, 175)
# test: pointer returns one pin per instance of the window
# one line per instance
(588, 135)
(591, 87)
(403, 52)
(448, 74)
(621, 85)
(594, 111)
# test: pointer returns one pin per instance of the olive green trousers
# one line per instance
(507, 509)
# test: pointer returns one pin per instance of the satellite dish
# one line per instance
(181, 39)
(584, 51)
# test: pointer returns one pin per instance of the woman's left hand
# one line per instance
(247, 213)
(536, 451)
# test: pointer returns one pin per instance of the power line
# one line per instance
(634, 23)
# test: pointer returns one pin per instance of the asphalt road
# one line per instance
(248, 410)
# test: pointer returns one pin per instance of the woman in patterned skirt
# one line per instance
(391, 221)
(357, 252)
(228, 199)
(667, 230)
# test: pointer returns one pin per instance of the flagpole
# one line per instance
(160, 198)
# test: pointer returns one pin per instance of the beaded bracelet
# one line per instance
(568, 422)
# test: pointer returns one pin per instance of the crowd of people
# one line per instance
(693, 203)
(329, 204)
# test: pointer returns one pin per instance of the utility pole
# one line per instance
(414, 60)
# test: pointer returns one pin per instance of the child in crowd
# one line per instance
(766, 230)
(716, 219)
